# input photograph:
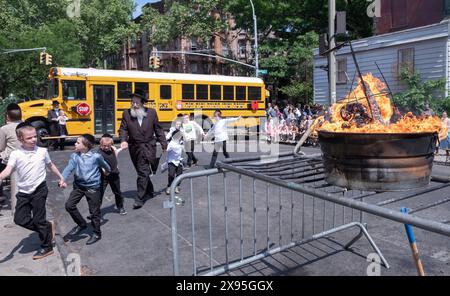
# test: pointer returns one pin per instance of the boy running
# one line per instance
(87, 182)
(30, 162)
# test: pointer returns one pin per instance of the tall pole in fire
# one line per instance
(332, 54)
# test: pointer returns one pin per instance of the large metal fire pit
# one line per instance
(378, 162)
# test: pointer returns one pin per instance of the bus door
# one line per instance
(104, 109)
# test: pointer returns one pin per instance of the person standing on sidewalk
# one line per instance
(220, 133)
(30, 162)
(110, 153)
(8, 138)
(52, 118)
(87, 182)
(191, 130)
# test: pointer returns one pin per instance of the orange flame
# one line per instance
(406, 124)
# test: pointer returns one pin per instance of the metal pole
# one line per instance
(256, 40)
(332, 54)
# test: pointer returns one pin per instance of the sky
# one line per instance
(139, 4)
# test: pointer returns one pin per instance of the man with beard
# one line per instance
(139, 131)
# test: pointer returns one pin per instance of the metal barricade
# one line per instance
(258, 207)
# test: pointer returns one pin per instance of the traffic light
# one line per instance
(151, 62)
(42, 58)
(156, 63)
(48, 59)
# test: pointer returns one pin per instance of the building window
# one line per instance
(165, 92)
(187, 92)
(406, 60)
(342, 70)
(194, 44)
(228, 92)
(240, 93)
(216, 92)
(254, 93)
(202, 91)
(74, 90)
(447, 7)
(194, 67)
(225, 51)
(124, 89)
(141, 88)
(242, 48)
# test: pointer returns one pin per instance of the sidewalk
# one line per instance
(17, 248)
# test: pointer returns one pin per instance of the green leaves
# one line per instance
(421, 92)
(82, 41)
(198, 19)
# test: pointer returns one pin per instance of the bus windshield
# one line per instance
(52, 88)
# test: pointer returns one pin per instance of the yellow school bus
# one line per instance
(94, 99)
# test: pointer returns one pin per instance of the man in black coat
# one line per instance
(139, 131)
(52, 117)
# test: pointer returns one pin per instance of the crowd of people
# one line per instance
(289, 124)
(93, 169)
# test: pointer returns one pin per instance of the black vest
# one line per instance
(111, 159)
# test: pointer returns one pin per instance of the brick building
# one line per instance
(397, 15)
(234, 44)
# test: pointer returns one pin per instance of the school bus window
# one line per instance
(53, 89)
(202, 91)
(141, 88)
(228, 92)
(124, 89)
(254, 93)
(187, 92)
(74, 90)
(165, 92)
(240, 93)
(215, 92)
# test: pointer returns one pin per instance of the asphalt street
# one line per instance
(139, 243)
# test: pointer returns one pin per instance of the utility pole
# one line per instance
(256, 40)
(332, 54)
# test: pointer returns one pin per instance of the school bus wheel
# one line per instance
(41, 131)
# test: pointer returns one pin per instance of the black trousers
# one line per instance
(217, 147)
(144, 184)
(174, 171)
(62, 131)
(113, 180)
(189, 147)
(54, 131)
(31, 214)
(93, 197)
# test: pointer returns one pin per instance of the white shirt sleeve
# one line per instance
(47, 157)
(228, 120)
(12, 159)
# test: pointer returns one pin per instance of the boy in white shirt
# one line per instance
(191, 130)
(30, 162)
(174, 154)
(220, 133)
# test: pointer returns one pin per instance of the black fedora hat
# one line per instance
(136, 95)
(55, 103)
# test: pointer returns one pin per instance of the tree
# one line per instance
(421, 92)
(199, 19)
(285, 33)
(102, 28)
(73, 42)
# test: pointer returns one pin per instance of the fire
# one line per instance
(349, 114)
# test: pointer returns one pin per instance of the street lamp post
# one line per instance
(256, 40)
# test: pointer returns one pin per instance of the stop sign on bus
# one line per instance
(83, 109)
